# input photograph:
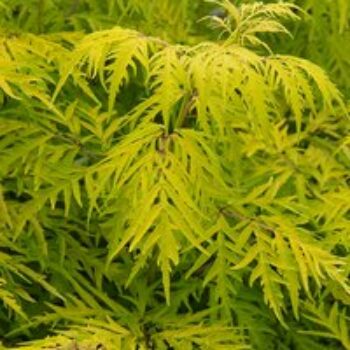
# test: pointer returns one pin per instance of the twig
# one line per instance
(240, 217)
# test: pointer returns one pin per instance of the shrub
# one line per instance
(173, 184)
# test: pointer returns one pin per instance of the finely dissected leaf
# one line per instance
(169, 80)
(244, 23)
(10, 301)
(335, 323)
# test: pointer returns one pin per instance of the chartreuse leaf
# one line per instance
(9, 300)
(169, 255)
(334, 322)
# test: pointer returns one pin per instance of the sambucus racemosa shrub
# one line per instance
(166, 184)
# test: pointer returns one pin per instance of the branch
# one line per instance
(241, 217)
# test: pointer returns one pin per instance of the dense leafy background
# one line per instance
(174, 174)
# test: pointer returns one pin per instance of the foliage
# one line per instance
(169, 183)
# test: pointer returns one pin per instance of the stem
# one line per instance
(185, 109)
(73, 8)
(240, 217)
(41, 6)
